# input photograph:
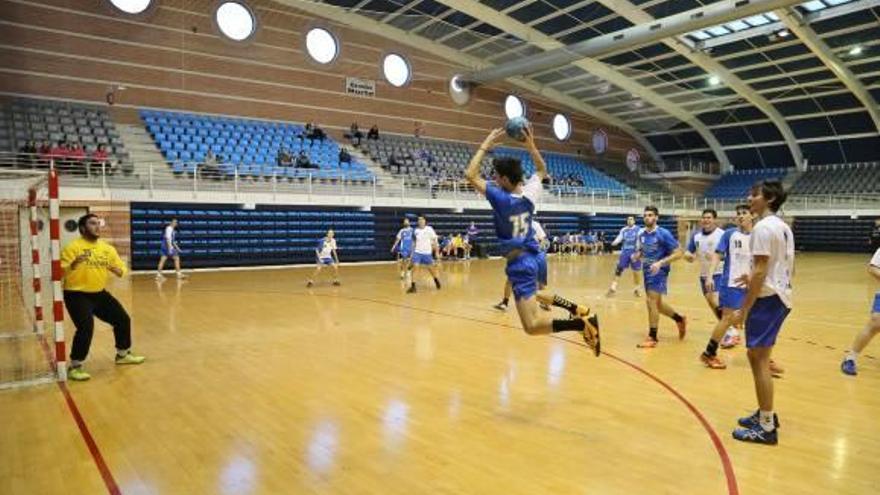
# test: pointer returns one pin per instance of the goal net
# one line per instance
(27, 352)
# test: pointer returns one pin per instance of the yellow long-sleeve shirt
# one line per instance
(90, 275)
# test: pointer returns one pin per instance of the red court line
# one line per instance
(106, 474)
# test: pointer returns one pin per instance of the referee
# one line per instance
(87, 263)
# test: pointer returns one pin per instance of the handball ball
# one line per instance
(516, 128)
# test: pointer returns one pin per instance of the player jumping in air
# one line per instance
(513, 206)
(628, 236)
(543, 244)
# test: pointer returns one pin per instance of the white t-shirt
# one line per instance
(772, 237)
(327, 248)
(875, 260)
(540, 235)
(532, 189)
(739, 257)
(168, 237)
(703, 245)
(425, 239)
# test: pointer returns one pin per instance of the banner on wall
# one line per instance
(600, 141)
(360, 87)
(632, 159)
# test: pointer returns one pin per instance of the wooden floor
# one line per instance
(255, 384)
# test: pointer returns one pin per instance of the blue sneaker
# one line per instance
(754, 421)
(756, 434)
(848, 367)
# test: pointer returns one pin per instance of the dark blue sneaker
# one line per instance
(756, 434)
(848, 367)
(754, 421)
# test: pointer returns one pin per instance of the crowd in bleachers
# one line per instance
(76, 137)
(221, 147)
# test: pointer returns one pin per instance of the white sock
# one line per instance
(851, 356)
(75, 364)
(614, 286)
(121, 352)
(765, 418)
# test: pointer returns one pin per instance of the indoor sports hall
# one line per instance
(439, 246)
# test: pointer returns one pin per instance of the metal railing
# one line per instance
(154, 179)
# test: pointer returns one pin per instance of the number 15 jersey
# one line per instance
(513, 215)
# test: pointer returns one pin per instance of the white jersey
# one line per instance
(773, 238)
(703, 245)
(425, 239)
(739, 258)
(327, 248)
(168, 237)
(875, 260)
(540, 235)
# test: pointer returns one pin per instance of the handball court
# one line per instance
(255, 384)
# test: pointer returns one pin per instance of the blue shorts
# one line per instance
(656, 283)
(876, 308)
(405, 253)
(625, 261)
(764, 321)
(523, 272)
(326, 261)
(542, 268)
(716, 278)
(731, 297)
(422, 259)
(168, 252)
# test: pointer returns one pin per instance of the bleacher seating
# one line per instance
(631, 179)
(836, 234)
(248, 146)
(736, 185)
(839, 179)
(48, 120)
(420, 160)
(223, 235)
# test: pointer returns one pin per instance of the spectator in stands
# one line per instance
(315, 132)
(344, 156)
(26, 154)
(875, 235)
(472, 233)
(45, 152)
(209, 168)
(76, 157)
(58, 153)
(355, 134)
(394, 162)
(302, 161)
(373, 133)
(426, 156)
(283, 159)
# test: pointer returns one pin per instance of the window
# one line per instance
(396, 70)
(321, 45)
(514, 107)
(561, 127)
(235, 20)
(132, 6)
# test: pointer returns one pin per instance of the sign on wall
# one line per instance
(632, 159)
(600, 141)
(360, 87)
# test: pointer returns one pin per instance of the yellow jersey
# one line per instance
(90, 275)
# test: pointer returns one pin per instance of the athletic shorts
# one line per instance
(716, 278)
(656, 283)
(326, 261)
(405, 253)
(625, 261)
(168, 252)
(764, 321)
(542, 268)
(422, 259)
(876, 308)
(731, 297)
(523, 272)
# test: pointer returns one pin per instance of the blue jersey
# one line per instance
(734, 248)
(405, 236)
(512, 214)
(655, 246)
(629, 237)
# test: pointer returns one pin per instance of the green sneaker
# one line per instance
(130, 358)
(78, 374)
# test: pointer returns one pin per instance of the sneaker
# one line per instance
(545, 306)
(411, 290)
(648, 343)
(637, 292)
(775, 369)
(159, 276)
(130, 358)
(753, 421)
(591, 334)
(682, 327)
(848, 367)
(731, 339)
(182, 275)
(610, 293)
(78, 374)
(337, 283)
(502, 306)
(756, 434)
(713, 362)
(309, 283)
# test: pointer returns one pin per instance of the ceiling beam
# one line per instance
(371, 26)
(638, 16)
(477, 10)
(797, 25)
